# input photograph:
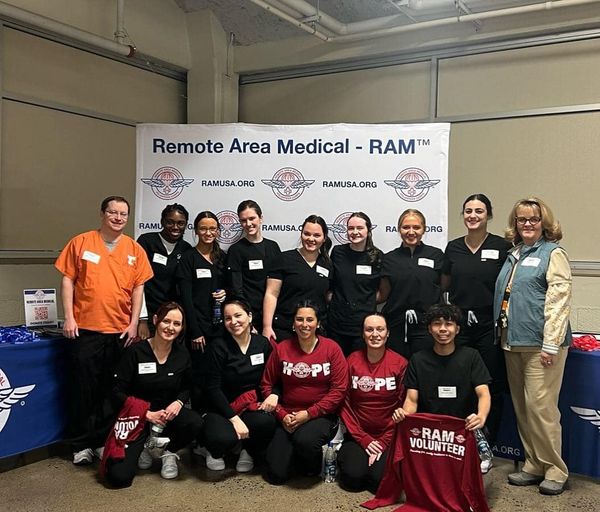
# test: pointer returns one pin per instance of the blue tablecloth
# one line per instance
(580, 408)
(33, 391)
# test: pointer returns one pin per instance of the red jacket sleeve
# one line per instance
(270, 378)
(338, 384)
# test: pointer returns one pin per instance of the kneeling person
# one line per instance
(447, 379)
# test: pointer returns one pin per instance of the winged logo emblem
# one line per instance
(412, 184)
(591, 415)
(288, 184)
(167, 183)
(8, 398)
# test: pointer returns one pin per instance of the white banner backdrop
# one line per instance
(294, 171)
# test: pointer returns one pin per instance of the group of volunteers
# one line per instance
(264, 353)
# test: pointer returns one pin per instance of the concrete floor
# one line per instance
(54, 484)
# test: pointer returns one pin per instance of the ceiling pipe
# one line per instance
(284, 16)
(120, 31)
(461, 18)
(380, 27)
(28, 17)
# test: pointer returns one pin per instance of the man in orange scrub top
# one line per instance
(104, 272)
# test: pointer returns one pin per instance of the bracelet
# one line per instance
(180, 402)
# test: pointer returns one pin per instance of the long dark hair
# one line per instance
(373, 252)
(217, 255)
(324, 249)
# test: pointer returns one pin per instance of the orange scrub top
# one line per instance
(104, 280)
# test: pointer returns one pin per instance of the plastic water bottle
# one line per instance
(155, 443)
(483, 447)
(217, 312)
(330, 467)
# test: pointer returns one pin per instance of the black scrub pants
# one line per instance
(302, 449)
(181, 430)
(93, 358)
(347, 342)
(355, 474)
(480, 336)
(418, 337)
(220, 437)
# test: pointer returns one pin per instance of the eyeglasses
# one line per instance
(207, 230)
(114, 213)
(533, 221)
(178, 223)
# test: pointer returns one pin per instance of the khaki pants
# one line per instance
(534, 390)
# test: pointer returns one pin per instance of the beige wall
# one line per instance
(553, 156)
(157, 27)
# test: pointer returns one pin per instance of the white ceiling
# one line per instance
(252, 24)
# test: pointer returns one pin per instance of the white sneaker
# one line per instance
(169, 468)
(145, 460)
(83, 457)
(99, 452)
(245, 462)
(211, 463)
(486, 465)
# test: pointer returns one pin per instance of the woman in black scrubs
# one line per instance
(471, 266)
(236, 412)
(298, 275)
(201, 281)
(164, 249)
(250, 259)
(157, 371)
(411, 284)
(356, 277)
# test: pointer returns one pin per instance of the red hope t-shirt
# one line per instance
(315, 382)
(374, 392)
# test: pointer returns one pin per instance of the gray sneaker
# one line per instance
(83, 457)
(551, 487)
(145, 460)
(169, 465)
(523, 478)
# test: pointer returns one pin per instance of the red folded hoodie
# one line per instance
(129, 425)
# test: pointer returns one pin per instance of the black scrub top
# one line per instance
(299, 282)
(162, 287)
(197, 278)
(473, 275)
(249, 264)
(354, 285)
(414, 280)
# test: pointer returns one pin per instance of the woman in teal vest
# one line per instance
(532, 305)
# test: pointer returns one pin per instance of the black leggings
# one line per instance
(303, 447)
(181, 430)
(355, 474)
(480, 336)
(220, 437)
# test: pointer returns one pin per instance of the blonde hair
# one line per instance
(413, 212)
(551, 229)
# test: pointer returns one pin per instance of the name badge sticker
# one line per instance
(203, 273)
(255, 264)
(146, 368)
(425, 262)
(490, 254)
(91, 256)
(257, 359)
(159, 258)
(323, 271)
(531, 261)
(364, 270)
(446, 391)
